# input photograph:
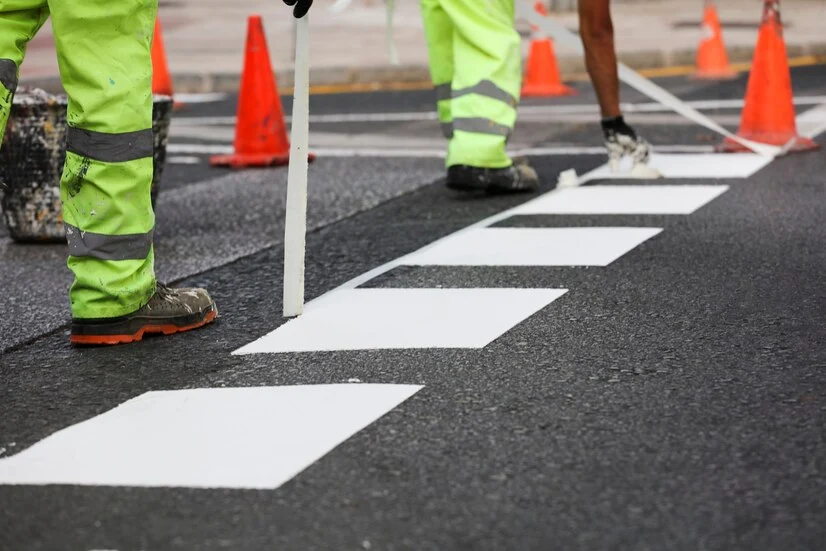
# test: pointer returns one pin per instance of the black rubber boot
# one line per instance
(169, 311)
(517, 178)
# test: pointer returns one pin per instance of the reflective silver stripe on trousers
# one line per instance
(447, 129)
(488, 89)
(110, 148)
(480, 125)
(443, 91)
(8, 74)
(134, 246)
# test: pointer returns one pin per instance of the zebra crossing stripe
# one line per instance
(242, 438)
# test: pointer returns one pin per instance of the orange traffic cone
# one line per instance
(712, 59)
(768, 114)
(161, 80)
(542, 74)
(260, 132)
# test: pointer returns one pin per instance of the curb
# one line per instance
(341, 79)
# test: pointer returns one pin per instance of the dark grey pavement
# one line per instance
(672, 400)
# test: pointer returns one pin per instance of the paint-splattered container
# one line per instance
(32, 157)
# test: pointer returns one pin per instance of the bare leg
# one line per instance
(597, 31)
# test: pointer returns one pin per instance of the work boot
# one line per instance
(520, 177)
(169, 311)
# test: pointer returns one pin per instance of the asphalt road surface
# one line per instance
(624, 365)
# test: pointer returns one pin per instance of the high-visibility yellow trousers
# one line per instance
(104, 54)
(475, 64)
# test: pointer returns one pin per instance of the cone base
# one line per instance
(547, 91)
(254, 160)
(791, 144)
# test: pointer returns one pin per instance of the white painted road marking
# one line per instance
(256, 438)
(812, 123)
(209, 97)
(533, 247)
(489, 221)
(733, 165)
(524, 112)
(183, 160)
(344, 301)
(370, 319)
(623, 199)
(436, 153)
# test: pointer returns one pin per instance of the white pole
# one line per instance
(295, 229)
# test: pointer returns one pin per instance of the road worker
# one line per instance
(475, 64)
(103, 51)
(104, 55)
(597, 31)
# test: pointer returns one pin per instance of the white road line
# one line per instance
(812, 123)
(206, 121)
(188, 149)
(183, 160)
(524, 111)
(624, 199)
(244, 438)
(598, 246)
(368, 319)
(184, 149)
(737, 165)
(200, 98)
(348, 293)
(491, 220)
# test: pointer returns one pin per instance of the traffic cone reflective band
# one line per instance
(542, 72)
(161, 80)
(768, 114)
(712, 59)
(260, 131)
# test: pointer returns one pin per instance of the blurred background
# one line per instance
(204, 39)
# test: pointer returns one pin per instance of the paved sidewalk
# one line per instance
(205, 39)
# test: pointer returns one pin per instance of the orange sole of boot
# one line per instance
(147, 329)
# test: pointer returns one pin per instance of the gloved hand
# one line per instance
(301, 7)
(620, 140)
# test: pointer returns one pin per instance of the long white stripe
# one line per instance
(207, 149)
(524, 110)
(200, 98)
(198, 148)
(183, 160)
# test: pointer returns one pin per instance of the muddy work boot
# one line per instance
(517, 178)
(169, 311)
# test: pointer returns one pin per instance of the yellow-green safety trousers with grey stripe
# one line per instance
(475, 64)
(104, 55)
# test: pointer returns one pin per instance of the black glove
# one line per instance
(620, 140)
(301, 7)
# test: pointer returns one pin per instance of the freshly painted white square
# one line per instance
(623, 199)
(532, 247)
(257, 437)
(366, 319)
(693, 165)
